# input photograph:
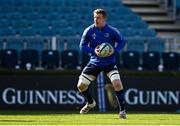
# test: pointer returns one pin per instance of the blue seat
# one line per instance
(6, 9)
(53, 17)
(14, 17)
(128, 32)
(93, 3)
(50, 59)
(26, 9)
(25, 32)
(16, 44)
(33, 16)
(70, 59)
(9, 58)
(46, 32)
(67, 32)
(151, 60)
(112, 3)
(76, 3)
(130, 60)
(123, 11)
(36, 44)
(156, 45)
(60, 24)
(120, 24)
(45, 10)
(20, 24)
(72, 43)
(36, 3)
(132, 17)
(40, 24)
(18, 2)
(4, 24)
(138, 24)
(146, 32)
(6, 2)
(7, 32)
(57, 3)
(135, 44)
(171, 61)
(29, 56)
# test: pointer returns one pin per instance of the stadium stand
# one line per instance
(35, 22)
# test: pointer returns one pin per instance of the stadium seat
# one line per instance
(36, 44)
(36, 3)
(27, 32)
(20, 24)
(72, 43)
(9, 58)
(16, 44)
(135, 44)
(26, 9)
(6, 9)
(7, 32)
(6, 3)
(40, 24)
(33, 17)
(60, 24)
(13, 17)
(138, 24)
(50, 59)
(151, 60)
(132, 17)
(146, 32)
(130, 60)
(128, 32)
(155, 45)
(18, 2)
(70, 59)
(29, 56)
(171, 61)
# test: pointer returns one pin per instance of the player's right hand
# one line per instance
(97, 52)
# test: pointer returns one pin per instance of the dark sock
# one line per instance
(87, 96)
(121, 100)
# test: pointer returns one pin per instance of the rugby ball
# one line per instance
(104, 49)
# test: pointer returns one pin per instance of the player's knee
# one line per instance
(83, 83)
(117, 84)
(82, 87)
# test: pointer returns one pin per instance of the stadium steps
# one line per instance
(155, 15)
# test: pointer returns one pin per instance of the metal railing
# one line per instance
(170, 6)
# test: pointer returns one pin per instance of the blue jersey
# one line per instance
(93, 36)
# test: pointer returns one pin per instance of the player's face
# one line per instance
(99, 20)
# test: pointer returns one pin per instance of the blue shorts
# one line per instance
(91, 69)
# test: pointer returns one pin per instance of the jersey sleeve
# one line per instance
(119, 40)
(85, 41)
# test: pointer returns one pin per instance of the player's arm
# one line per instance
(120, 42)
(84, 43)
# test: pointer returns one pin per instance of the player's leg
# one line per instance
(83, 83)
(114, 76)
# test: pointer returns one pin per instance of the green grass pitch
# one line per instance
(93, 118)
